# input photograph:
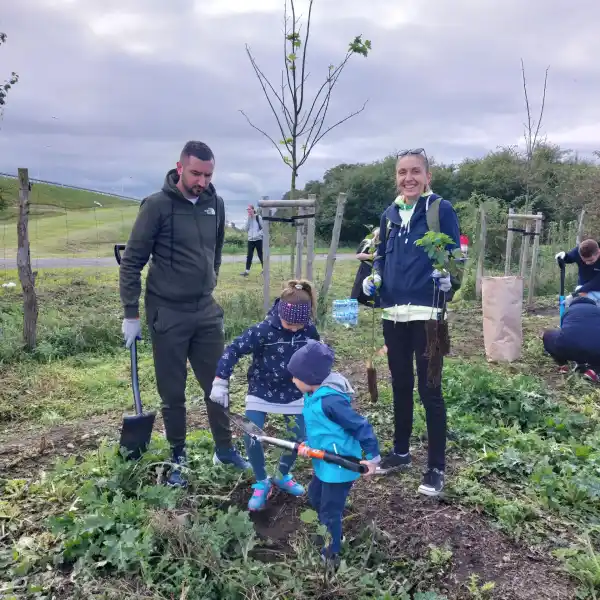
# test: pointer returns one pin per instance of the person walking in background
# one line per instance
(587, 258)
(406, 282)
(272, 342)
(182, 229)
(255, 238)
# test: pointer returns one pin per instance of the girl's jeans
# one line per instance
(256, 456)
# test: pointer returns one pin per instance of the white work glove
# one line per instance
(370, 284)
(442, 281)
(220, 392)
(132, 330)
(560, 256)
(371, 464)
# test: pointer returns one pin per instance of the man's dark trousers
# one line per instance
(182, 331)
(258, 244)
(405, 342)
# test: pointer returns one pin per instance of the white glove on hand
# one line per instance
(560, 256)
(442, 281)
(220, 392)
(371, 465)
(370, 284)
(132, 330)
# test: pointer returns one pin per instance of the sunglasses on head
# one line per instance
(413, 152)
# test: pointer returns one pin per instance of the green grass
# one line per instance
(524, 464)
(68, 223)
(46, 198)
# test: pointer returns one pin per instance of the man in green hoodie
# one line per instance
(181, 231)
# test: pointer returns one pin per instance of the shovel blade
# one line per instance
(246, 425)
(136, 432)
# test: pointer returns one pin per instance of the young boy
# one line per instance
(331, 424)
(587, 257)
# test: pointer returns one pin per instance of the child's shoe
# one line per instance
(288, 484)
(591, 375)
(564, 369)
(262, 492)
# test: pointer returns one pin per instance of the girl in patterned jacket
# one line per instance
(272, 342)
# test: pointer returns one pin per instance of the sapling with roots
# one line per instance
(447, 262)
(370, 249)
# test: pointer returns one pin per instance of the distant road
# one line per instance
(60, 262)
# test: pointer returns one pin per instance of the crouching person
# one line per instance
(578, 340)
(333, 425)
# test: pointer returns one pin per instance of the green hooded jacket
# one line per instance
(183, 242)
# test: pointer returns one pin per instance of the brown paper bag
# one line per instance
(502, 318)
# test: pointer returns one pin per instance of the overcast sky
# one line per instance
(110, 90)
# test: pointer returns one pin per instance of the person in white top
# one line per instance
(255, 238)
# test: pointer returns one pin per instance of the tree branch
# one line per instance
(302, 79)
(320, 137)
(267, 136)
(263, 79)
(539, 124)
(329, 82)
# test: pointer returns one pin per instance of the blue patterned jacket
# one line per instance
(271, 347)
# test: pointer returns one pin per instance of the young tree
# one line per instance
(300, 121)
(532, 134)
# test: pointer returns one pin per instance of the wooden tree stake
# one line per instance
(30, 303)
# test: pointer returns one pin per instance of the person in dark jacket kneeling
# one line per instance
(333, 425)
(578, 341)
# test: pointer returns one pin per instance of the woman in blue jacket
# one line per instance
(406, 282)
(578, 340)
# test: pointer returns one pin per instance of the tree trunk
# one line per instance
(293, 212)
(27, 278)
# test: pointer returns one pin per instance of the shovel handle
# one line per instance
(561, 265)
(336, 459)
(135, 383)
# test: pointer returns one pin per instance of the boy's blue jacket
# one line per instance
(271, 347)
(589, 275)
(405, 269)
(333, 425)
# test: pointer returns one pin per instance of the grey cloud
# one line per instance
(448, 78)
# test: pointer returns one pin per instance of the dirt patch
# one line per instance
(414, 523)
(26, 450)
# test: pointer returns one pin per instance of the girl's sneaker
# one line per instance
(262, 492)
(564, 369)
(288, 484)
(591, 375)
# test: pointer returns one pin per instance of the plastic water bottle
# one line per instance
(345, 312)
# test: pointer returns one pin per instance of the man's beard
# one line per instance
(195, 190)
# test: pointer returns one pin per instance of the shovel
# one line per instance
(561, 297)
(258, 435)
(136, 430)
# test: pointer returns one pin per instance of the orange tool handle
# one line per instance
(336, 459)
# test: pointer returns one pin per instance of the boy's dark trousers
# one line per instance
(258, 244)
(404, 342)
(562, 357)
(329, 500)
(180, 332)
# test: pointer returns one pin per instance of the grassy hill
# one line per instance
(65, 221)
(76, 223)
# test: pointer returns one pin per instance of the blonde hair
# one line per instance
(298, 291)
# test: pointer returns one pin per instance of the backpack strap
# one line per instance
(258, 222)
(433, 215)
